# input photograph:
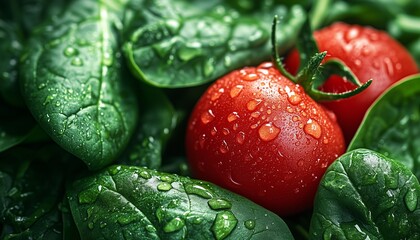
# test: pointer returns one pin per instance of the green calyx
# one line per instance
(313, 72)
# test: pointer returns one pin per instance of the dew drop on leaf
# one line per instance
(78, 62)
(224, 224)
(174, 225)
(164, 186)
(70, 52)
(219, 204)
(250, 224)
(145, 174)
(411, 200)
(198, 190)
(150, 228)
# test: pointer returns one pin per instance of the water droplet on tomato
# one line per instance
(295, 118)
(235, 126)
(213, 132)
(357, 62)
(253, 104)
(289, 109)
(366, 51)
(240, 137)
(225, 131)
(351, 34)
(216, 95)
(389, 66)
(266, 65)
(236, 90)
(300, 163)
(202, 140)
(268, 132)
(207, 116)
(250, 77)
(313, 128)
(255, 114)
(376, 64)
(224, 147)
(232, 117)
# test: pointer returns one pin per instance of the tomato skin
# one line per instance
(258, 134)
(370, 54)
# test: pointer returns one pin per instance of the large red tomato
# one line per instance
(260, 135)
(370, 54)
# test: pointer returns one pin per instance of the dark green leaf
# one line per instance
(75, 86)
(30, 190)
(125, 202)
(178, 43)
(157, 121)
(365, 195)
(392, 125)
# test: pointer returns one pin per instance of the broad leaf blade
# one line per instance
(175, 44)
(365, 195)
(392, 124)
(131, 202)
(74, 85)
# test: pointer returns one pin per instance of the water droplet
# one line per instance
(250, 224)
(389, 66)
(376, 64)
(313, 128)
(232, 117)
(70, 52)
(174, 225)
(150, 228)
(187, 53)
(240, 137)
(293, 98)
(102, 224)
(225, 131)
(227, 61)
(213, 131)
(236, 90)
(300, 163)
(114, 170)
(88, 196)
(411, 200)
(198, 190)
(207, 116)
(268, 132)
(250, 77)
(351, 34)
(358, 62)
(209, 67)
(108, 59)
(366, 51)
(224, 224)
(224, 147)
(90, 225)
(255, 114)
(219, 204)
(253, 104)
(145, 174)
(77, 62)
(167, 179)
(164, 186)
(216, 95)
(197, 220)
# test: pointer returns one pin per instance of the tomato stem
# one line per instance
(314, 70)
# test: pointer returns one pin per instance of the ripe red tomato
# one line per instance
(260, 135)
(370, 54)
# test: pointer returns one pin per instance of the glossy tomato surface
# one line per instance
(258, 134)
(370, 54)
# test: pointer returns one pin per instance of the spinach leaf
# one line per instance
(392, 125)
(157, 121)
(74, 84)
(178, 43)
(10, 47)
(126, 202)
(365, 195)
(31, 187)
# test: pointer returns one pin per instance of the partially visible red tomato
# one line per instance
(370, 54)
(258, 134)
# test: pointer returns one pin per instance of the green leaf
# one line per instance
(177, 43)
(392, 124)
(157, 121)
(74, 83)
(365, 195)
(125, 202)
(30, 191)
